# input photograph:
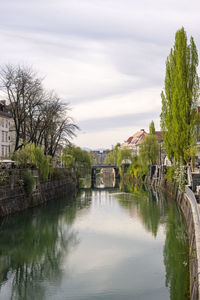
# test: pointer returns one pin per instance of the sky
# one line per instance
(106, 58)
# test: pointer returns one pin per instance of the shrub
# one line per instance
(32, 155)
(28, 181)
(181, 177)
(170, 173)
(58, 174)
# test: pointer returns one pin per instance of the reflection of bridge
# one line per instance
(108, 189)
(103, 166)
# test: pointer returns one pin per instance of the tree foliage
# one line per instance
(138, 168)
(123, 155)
(77, 156)
(28, 181)
(68, 160)
(33, 156)
(148, 155)
(179, 98)
(112, 157)
(152, 128)
(149, 149)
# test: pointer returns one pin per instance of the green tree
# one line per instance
(149, 149)
(138, 168)
(123, 155)
(179, 98)
(152, 128)
(32, 155)
(81, 158)
(68, 160)
(112, 157)
(116, 153)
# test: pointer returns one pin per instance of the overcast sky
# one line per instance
(105, 57)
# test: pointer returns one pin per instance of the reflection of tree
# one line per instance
(155, 208)
(176, 256)
(149, 209)
(33, 246)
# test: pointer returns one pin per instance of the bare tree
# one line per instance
(57, 126)
(39, 117)
(24, 94)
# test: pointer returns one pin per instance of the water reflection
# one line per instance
(151, 211)
(156, 208)
(106, 180)
(101, 245)
(176, 256)
(33, 246)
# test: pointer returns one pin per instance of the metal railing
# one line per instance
(192, 197)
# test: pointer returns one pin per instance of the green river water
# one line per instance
(103, 244)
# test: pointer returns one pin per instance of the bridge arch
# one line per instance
(103, 166)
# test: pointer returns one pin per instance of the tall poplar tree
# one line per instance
(152, 128)
(179, 98)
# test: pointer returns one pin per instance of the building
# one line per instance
(5, 119)
(99, 157)
(133, 142)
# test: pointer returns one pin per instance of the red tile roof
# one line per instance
(138, 137)
(129, 139)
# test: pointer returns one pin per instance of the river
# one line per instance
(103, 244)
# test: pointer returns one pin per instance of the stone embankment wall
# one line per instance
(190, 209)
(13, 197)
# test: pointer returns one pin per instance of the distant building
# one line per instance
(133, 142)
(99, 157)
(5, 119)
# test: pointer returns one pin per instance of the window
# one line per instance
(6, 137)
(2, 150)
(2, 136)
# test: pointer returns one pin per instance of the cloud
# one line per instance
(136, 102)
(103, 124)
(105, 57)
(111, 136)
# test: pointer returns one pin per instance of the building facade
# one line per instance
(133, 142)
(5, 118)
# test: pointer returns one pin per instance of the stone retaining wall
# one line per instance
(193, 229)
(187, 205)
(14, 199)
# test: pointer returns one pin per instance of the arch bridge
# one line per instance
(103, 166)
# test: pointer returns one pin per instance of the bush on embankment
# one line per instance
(176, 174)
(32, 156)
(28, 181)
